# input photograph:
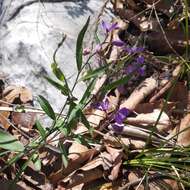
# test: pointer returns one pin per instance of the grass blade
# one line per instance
(64, 155)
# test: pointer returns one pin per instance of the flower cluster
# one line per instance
(136, 66)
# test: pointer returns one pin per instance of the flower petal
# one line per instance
(114, 26)
(105, 26)
(140, 59)
(105, 105)
(117, 127)
(118, 43)
(121, 115)
(129, 69)
(141, 71)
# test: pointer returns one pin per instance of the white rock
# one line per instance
(27, 42)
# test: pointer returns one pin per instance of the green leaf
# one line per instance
(80, 139)
(37, 162)
(73, 108)
(64, 130)
(41, 130)
(63, 88)
(116, 83)
(9, 142)
(64, 155)
(60, 125)
(79, 44)
(94, 73)
(46, 107)
(57, 72)
(88, 92)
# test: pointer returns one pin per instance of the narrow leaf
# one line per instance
(94, 73)
(37, 162)
(41, 130)
(46, 107)
(63, 88)
(64, 155)
(57, 72)
(88, 92)
(79, 45)
(116, 83)
(9, 142)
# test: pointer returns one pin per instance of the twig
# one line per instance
(142, 133)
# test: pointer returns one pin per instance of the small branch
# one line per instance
(142, 133)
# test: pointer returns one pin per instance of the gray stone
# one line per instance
(29, 35)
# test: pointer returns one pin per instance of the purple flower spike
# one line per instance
(140, 59)
(118, 43)
(108, 28)
(121, 115)
(117, 127)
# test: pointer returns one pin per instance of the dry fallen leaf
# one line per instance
(78, 154)
(82, 177)
(17, 95)
(183, 138)
(26, 120)
(128, 142)
(163, 124)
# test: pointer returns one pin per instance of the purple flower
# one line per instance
(108, 28)
(121, 115)
(118, 43)
(129, 69)
(103, 106)
(132, 50)
(140, 59)
(141, 71)
(117, 127)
